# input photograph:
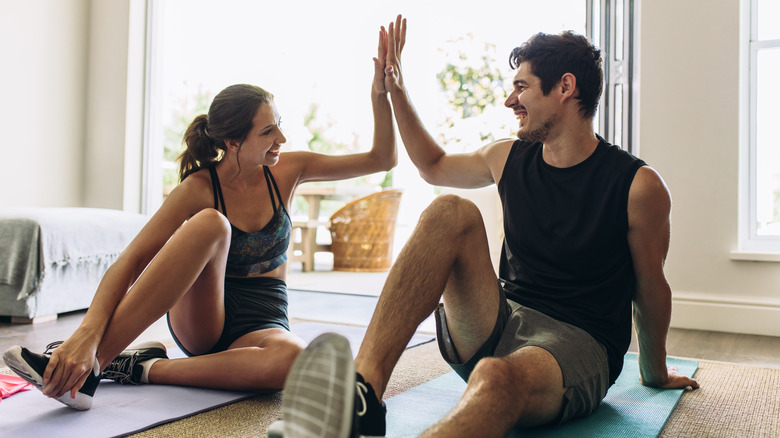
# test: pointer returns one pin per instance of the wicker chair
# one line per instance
(362, 233)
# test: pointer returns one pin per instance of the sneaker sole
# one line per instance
(319, 395)
(13, 358)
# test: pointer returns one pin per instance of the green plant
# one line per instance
(472, 85)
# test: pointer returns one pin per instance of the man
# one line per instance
(587, 232)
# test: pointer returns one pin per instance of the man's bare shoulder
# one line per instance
(502, 144)
(649, 200)
(648, 183)
(495, 155)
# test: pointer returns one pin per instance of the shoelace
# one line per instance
(362, 390)
(121, 369)
(52, 346)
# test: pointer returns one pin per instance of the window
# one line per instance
(760, 224)
(316, 60)
(611, 26)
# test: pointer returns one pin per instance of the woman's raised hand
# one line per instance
(379, 62)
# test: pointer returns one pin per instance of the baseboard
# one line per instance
(33, 320)
(726, 314)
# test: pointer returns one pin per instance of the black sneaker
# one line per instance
(31, 366)
(127, 369)
(370, 412)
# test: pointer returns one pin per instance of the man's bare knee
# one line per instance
(502, 379)
(494, 375)
(452, 213)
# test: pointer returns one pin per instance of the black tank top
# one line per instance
(565, 250)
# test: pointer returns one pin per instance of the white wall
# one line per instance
(689, 118)
(64, 111)
(104, 158)
(43, 101)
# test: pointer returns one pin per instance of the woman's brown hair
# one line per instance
(229, 118)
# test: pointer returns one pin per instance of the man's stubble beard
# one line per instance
(541, 133)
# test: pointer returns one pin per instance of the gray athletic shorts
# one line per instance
(582, 359)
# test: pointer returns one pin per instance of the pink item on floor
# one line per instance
(10, 385)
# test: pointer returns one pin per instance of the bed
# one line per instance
(52, 259)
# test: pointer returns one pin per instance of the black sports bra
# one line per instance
(251, 254)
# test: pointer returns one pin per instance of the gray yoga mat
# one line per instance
(117, 410)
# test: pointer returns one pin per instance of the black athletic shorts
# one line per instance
(251, 304)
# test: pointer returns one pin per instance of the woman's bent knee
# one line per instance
(283, 353)
(210, 223)
(211, 217)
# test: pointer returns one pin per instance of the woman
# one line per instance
(212, 257)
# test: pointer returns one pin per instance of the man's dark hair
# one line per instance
(552, 56)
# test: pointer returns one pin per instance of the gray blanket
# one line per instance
(34, 241)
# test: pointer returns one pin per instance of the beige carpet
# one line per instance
(733, 401)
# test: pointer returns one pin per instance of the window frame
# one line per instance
(751, 246)
(612, 26)
(151, 192)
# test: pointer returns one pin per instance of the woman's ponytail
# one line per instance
(202, 151)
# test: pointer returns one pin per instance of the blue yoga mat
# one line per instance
(629, 409)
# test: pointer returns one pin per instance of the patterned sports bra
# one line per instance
(251, 254)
